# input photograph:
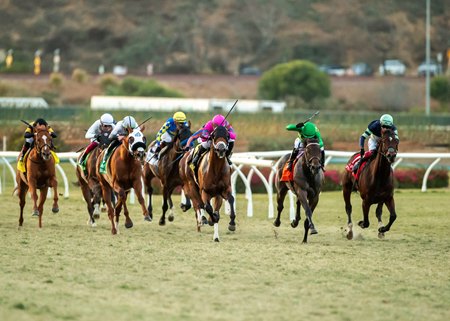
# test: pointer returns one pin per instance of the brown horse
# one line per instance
(124, 172)
(213, 182)
(168, 173)
(306, 185)
(40, 175)
(375, 184)
(88, 180)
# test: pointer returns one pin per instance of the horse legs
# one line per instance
(107, 192)
(42, 198)
(390, 204)
(87, 195)
(54, 185)
(22, 192)
(294, 223)
(347, 193)
(281, 195)
(150, 195)
(379, 212)
(308, 225)
(232, 224)
(171, 215)
(165, 206)
(365, 207)
(187, 202)
(137, 186)
(128, 221)
(217, 205)
(34, 196)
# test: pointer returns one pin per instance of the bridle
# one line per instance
(220, 143)
(43, 150)
(310, 160)
(390, 153)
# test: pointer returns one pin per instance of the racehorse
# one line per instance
(124, 172)
(212, 182)
(306, 185)
(375, 184)
(88, 180)
(40, 175)
(168, 173)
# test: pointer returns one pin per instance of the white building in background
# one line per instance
(186, 104)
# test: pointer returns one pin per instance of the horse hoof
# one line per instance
(147, 218)
(55, 210)
(362, 225)
(129, 224)
(162, 222)
(171, 218)
(113, 232)
(277, 223)
(216, 239)
(96, 216)
(313, 231)
(380, 235)
(35, 213)
(294, 224)
(231, 228)
(350, 235)
(185, 207)
(204, 221)
(210, 223)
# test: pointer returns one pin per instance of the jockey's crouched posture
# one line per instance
(120, 131)
(204, 139)
(103, 125)
(166, 134)
(373, 131)
(29, 138)
(305, 130)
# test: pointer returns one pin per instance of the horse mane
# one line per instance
(221, 132)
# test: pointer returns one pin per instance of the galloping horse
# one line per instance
(40, 174)
(124, 172)
(375, 184)
(168, 173)
(306, 185)
(213, 182)
(88, 180)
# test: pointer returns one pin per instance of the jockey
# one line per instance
(29, 137)
(104, 124)
(203, 136)
(166, 134)
(373, 131)
(305, 130)
(120, 131)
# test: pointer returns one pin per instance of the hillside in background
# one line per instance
(212, 36)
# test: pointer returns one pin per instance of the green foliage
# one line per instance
(108, 80)
(79, 75)
(18, 67)
(132, 86)
(56, 79)
(298, 79)
(440, 89)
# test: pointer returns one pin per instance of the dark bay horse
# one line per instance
(168, 173)
(40, 175)
(375, 184)
(124, 172)
(88, 180)
(306, 185)
(213, 182)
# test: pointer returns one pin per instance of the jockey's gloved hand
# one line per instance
(300, 125)
(28, 135)
(53, 134)
(361, 152)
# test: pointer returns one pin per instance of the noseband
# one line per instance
(390, 151)
(40, 147)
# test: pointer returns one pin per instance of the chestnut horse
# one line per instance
(124, 172)
(168, 173)
(40, 175)
(306, 185)
(88, 180)
(212, 182)
(375, 184)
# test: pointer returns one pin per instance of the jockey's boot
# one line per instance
(322, 158)
(197, 153)
(20, 163)
(81, 160)
(366, 157)
(291, 159)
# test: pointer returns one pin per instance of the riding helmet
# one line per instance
(40, 121)
(107, 119)
(386, 120)
(129, 122)
(309, 130)
(179, 117)
(219, 120)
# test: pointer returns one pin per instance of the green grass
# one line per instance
(70, 271)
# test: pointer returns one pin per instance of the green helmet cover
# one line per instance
(386, 120)
(309, 130)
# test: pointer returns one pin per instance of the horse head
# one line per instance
(388, 145)
(43, 143)
(220, 141)
(182, 136)
(137, 144)
(103, 138)
(312, 155)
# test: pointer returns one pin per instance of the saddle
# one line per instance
(349, 167)
(288, 175)
(21, 165)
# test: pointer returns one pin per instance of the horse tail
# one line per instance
(14, 191)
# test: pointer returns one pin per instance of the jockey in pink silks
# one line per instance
(203, 137)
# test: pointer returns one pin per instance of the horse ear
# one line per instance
(142, 128)
(131, 140)
(189, 124)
